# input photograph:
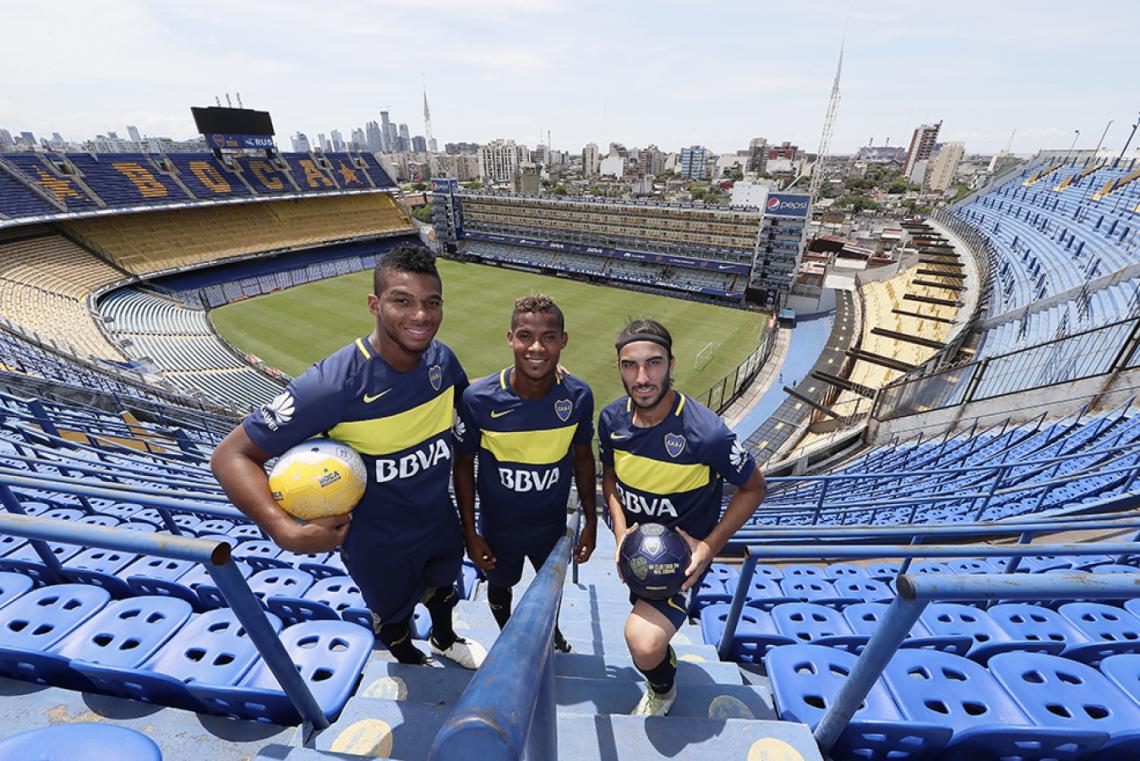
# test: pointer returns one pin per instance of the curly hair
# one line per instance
(403, 257)
(537, 303)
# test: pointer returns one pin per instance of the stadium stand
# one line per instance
(44, 284)
(182, 345)
(265, 176)
(32, 169)
(127, 179)
(162, 241)
(206, 177)
(308, 172)
(17, 200)
(349, 175)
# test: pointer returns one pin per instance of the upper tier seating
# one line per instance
(36, 170)
(206, 176)
(44, 283)
(127, 179)
(166, 240)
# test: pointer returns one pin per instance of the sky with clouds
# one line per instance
(667, 72)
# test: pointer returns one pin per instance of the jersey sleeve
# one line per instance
(605, 446)
(310, 404)
(466, 430)
(727, 456)
(585, 432)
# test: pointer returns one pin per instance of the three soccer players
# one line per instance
(665, 458)
(531, 430)
(391, 396)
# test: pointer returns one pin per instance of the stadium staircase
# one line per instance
(721, 712)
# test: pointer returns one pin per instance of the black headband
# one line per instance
(661, 341)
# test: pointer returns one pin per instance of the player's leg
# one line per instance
(390, 591)
(500, 579)
(648, 631)
(438, 575)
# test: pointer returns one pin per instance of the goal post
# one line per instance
(703, 357)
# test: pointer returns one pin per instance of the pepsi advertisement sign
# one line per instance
(445, 185)
(787, 205)
(238, 142)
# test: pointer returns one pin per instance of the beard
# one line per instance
(666, 384)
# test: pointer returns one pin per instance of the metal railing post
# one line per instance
(542, 742)
(893, 628)
(905, 565)
(819, 502)
(998, 478)
(1015, 561)
(249, 612)
(724, 647)
(51, 562)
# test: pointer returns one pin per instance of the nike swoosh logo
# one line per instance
(369, 398)
(618, 436)
(496, 413)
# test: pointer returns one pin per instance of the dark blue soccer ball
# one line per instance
(653, 560)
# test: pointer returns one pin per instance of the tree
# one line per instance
(559, 190)
(898, 186)
(475, 184)
(423, 213)
(420, 187)
(858, 202)
(737, 174)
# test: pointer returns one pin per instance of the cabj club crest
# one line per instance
(674, 444)
(563, 408)
(435, 376)
(640, 568)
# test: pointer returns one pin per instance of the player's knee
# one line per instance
(647, 645)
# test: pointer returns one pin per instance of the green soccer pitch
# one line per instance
(292, 329)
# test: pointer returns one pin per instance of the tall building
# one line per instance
(404, 142)
(694, 161)
(419, 144)
(590, 159)
(757, 154)
(940, 175)
(431, 145)
(388, 132)
(5, 139)
(374, 137)
(527, 179)
(498, 161)
(337, 141)
(921, 146)
(133, 131)
(359, 140)
(612, 166)
(651, 160)
(323, 142)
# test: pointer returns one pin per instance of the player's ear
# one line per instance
(565, 338)
(374, 304)
(510, 337)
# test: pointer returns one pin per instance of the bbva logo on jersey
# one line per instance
(563, 408)
(519, 480)
(654, 507)
(412, 463)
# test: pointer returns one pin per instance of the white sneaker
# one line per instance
(466, 652)
(654, 703)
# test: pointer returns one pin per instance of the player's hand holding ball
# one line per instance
(319, 481)
(316, 535)
(701, 556)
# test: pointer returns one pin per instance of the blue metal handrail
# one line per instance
(226, 575)
(508, 708)
(916, 592)
(939, 530)
(907, 551)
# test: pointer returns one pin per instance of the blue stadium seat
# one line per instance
(755, 632)
(797, 571)
(955, 692)
(816, 624)
(212, 648)
(864, 619)
(1034, 623)
(817, 590)
(805, 680)
(329, 655)
(837, 571)
(1124, 671)
(1073, 698)
(41, 618)
(1113, 630)
(127, 179)
(989, 639)
(864, 589)
(93, 742)
(284, 582)
(12, 586)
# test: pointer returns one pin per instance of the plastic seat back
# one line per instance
(1112, 630)
(807, 589)
(126, 632)
(765, 593)
(805, 680)
(865, 589)
(329, 655)
(837, 571)
(1024, 621)
(952, 618)
(864, 618)
(1124, 672)
(800, 571)
(755, 632)
(12, 586)
(1071, 696)
(806, 623)
(956, 692)
(42, 617)
(883, 571)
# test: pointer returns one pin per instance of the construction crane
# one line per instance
(828, 127)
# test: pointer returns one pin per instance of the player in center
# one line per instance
(531, 430)
(665, 458)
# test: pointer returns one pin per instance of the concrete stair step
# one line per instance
(279, 752)
(612, 737)
(611, 639)
(621, 667)
(616, 692)
(375, 728)
(689, 652)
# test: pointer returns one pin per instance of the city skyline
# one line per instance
(748, 71)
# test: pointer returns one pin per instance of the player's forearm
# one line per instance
(464, 478)
(609, 493)
(247, 487)
(585, 479)
(740, 508)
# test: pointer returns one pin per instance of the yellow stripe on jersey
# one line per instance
(656, 476)
(393, 433)
(529, 447)
(680, 406)
(360, 345)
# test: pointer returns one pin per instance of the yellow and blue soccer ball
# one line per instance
(318, 478)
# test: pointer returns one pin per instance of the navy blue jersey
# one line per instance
(674, 472)
(399, 422)
(525, 452)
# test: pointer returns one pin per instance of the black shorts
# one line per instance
(509, 560)
(675, 608)
(393, 583)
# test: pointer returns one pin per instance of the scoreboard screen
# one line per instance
(234, 128)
